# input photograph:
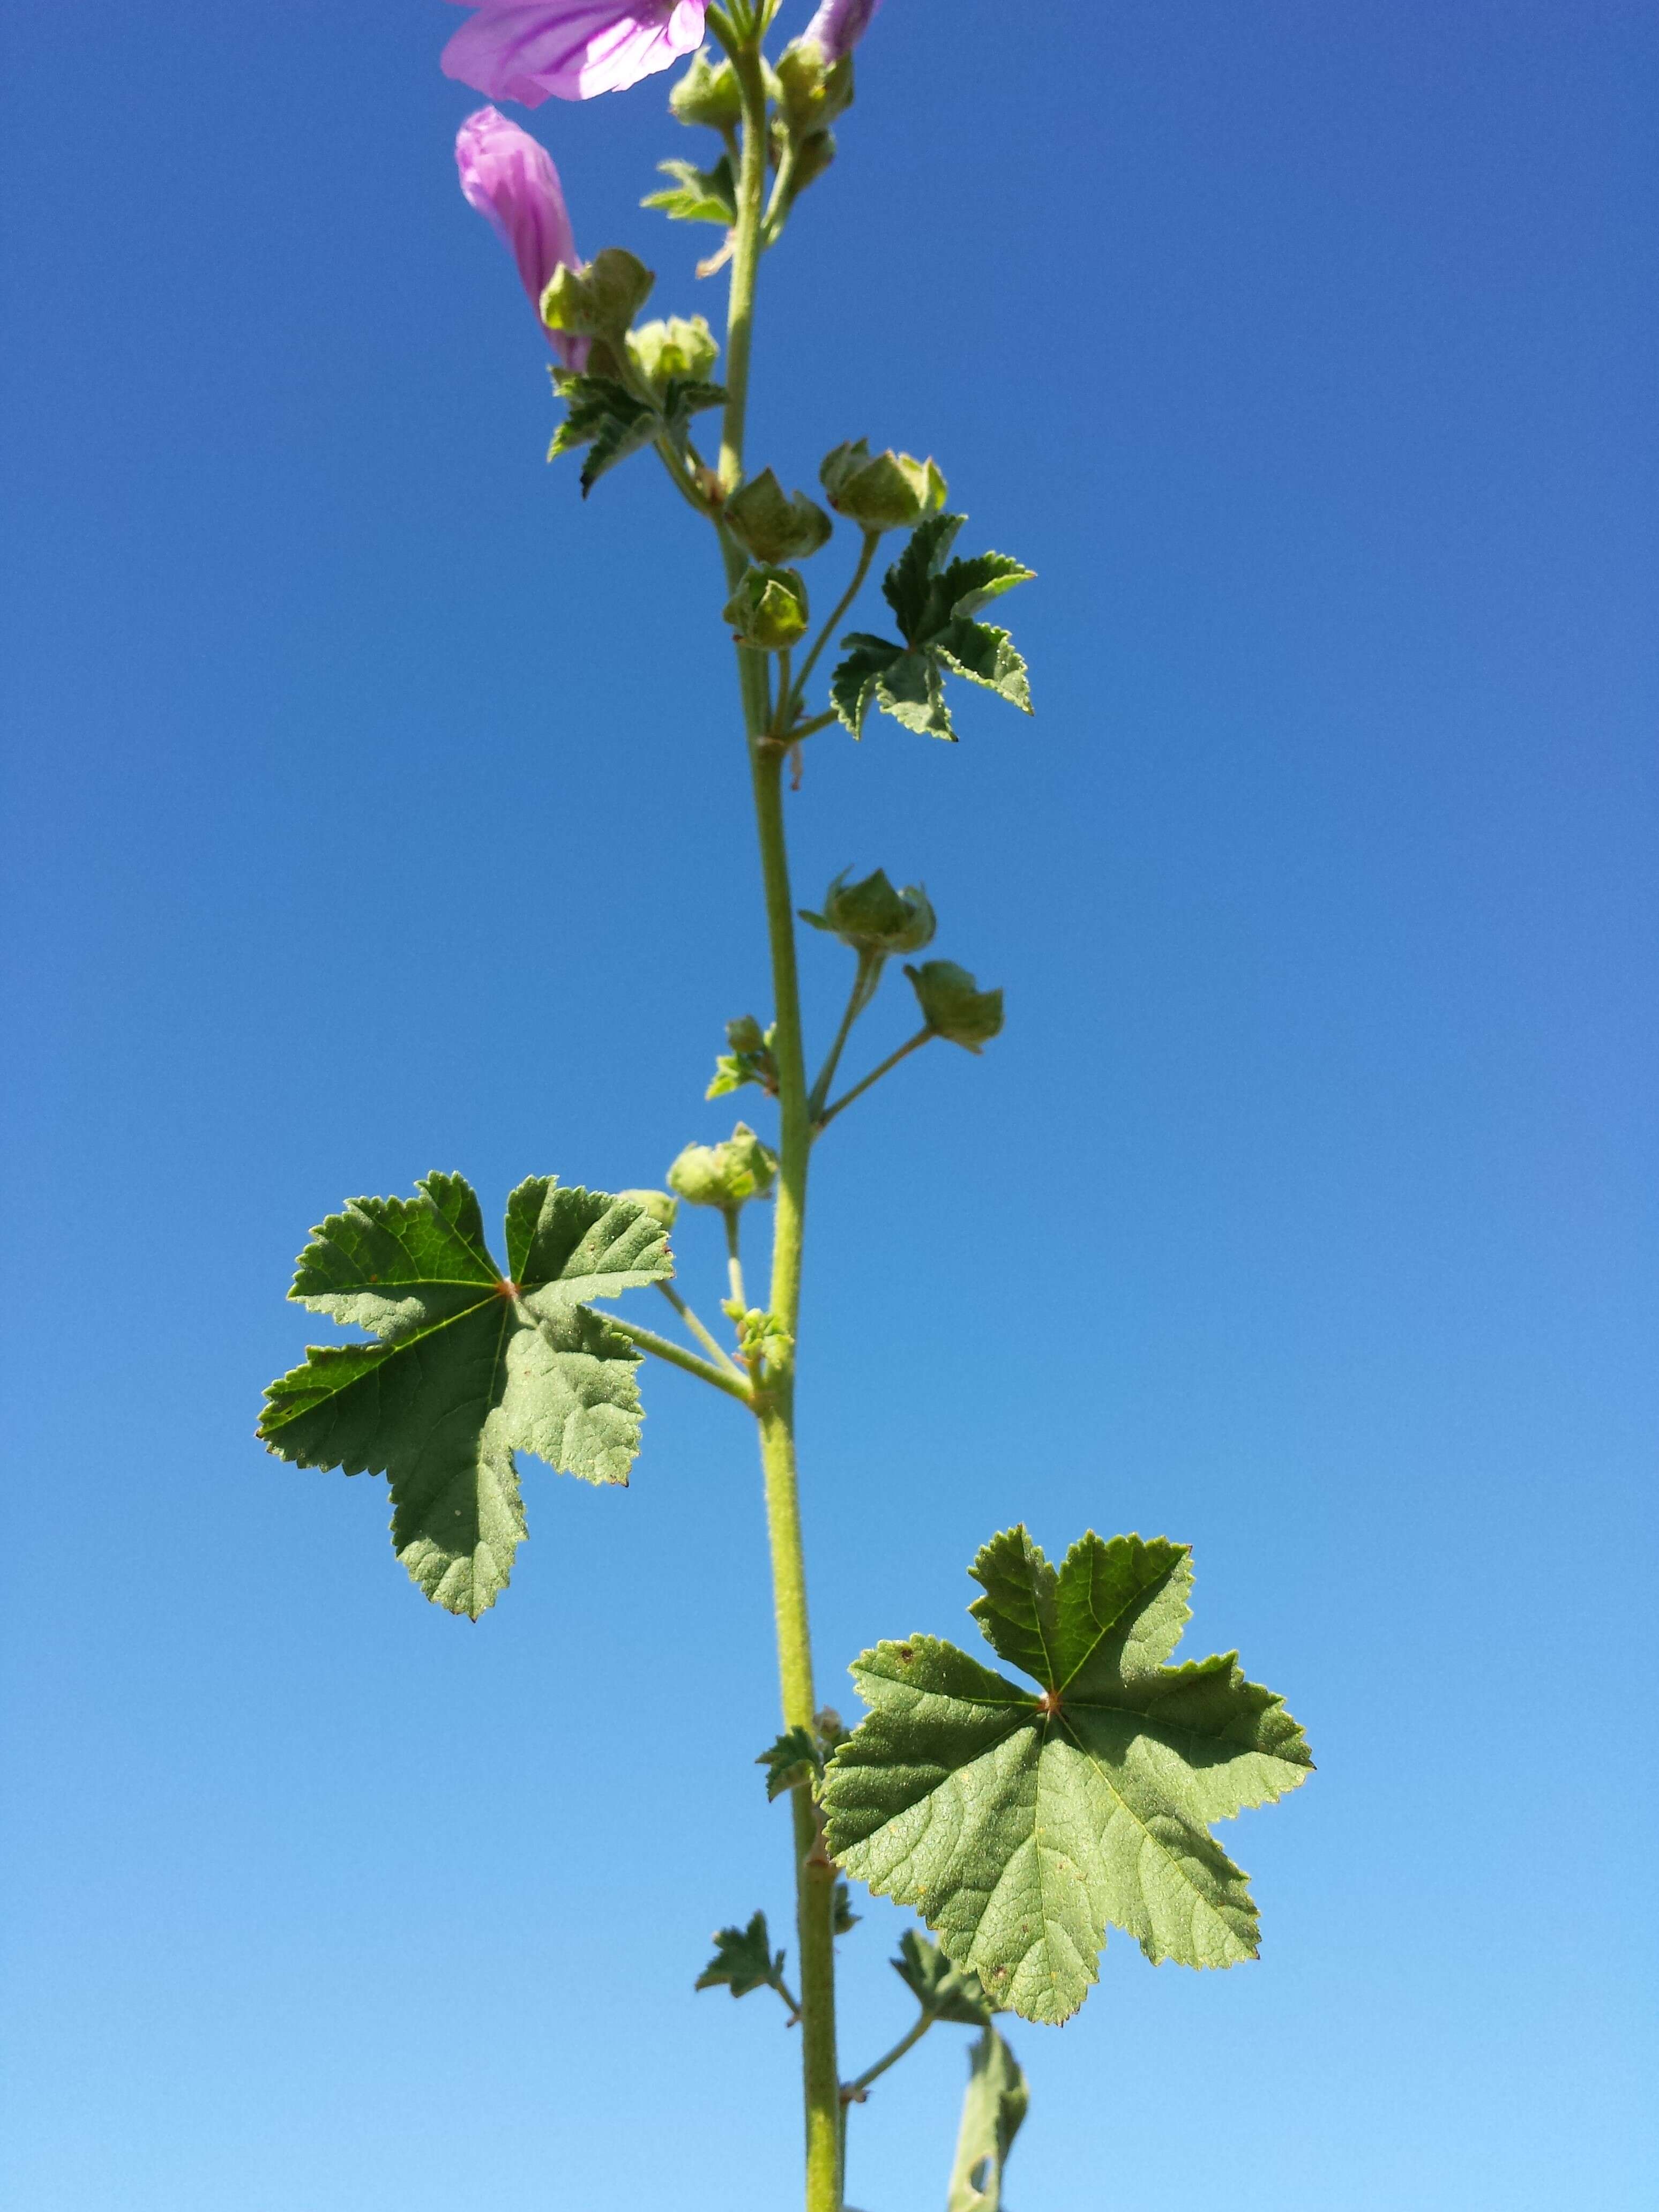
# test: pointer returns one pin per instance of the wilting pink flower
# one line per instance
(510, 179)
(524, 50)
(839, 25)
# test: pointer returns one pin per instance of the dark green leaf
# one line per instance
(742, 1960)
(795, 1758)
(905, 585)
(469, 1366)
(991, 2114)
(967, 585)
(1021, 1823)
(853, 686)
(842, 1919)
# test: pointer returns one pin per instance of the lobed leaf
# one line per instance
(742, 1960)
(1020, 1825)
(696, 195)
(468, 1366)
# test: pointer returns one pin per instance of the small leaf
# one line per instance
(905, 586)
(1020, 1825)
(843, 1918)
(967, 585)
(742, 1960)
(985, 656)
(469, 1366)
(911, 690)
(792, 1760)
(853, 686)
(696, 195)
(992, 2112)
(940, 1989)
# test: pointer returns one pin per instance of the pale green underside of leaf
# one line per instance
(468, 1367)
(991, 2111)
(1020, 1834)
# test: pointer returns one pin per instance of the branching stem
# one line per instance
(872, 539)
(664, 1347)
(773, 1391)
(864, 983)
(855, 2089)
(705, 1337)
(914, 1044)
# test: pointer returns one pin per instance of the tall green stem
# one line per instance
(815, 1874)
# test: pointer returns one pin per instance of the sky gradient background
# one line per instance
(373, 807)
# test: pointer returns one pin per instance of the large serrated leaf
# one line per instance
(1021, 1823)
(467, 1365)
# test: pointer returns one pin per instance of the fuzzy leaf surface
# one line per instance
(613, 422)
(467, 1366)
(935, 602)
(1020, 1823)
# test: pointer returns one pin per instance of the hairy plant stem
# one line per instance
(774, 1390)
(725, 1378)
(705, 1336)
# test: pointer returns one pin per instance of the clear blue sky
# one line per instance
(373, 807)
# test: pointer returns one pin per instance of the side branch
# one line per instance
(663, 1347)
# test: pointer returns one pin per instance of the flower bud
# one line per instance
(872, 917)
(771, 527)
(658, 1204)
(890, 491)
(600, 300)
(811, 87)
(954, 1006)
(707, 94)
(769, 609)
(727, 1174)
(681, 351)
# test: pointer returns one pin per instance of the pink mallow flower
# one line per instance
(838, 26)
(511, 180)
(525, 50)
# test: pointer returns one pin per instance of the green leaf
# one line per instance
(940, 1989)
(905, 586)
(795, 1758)
(742, 1960)
(697, 195)
(935, 606)
(991, 2114)
(614, 423)
(1019, 1823)
(985, 656)
(468, 1365)
(843, 1918)
(853, 686)
(912, 690)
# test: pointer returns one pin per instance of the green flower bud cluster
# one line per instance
(708, 93)
(750, 1061)
(682, 350)
(600, 300)
(726, 1175)
(871, 917)
(953, 1005)
(883, 491)
(769, 608)
(771, 527)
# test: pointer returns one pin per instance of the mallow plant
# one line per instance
(1019, 1807)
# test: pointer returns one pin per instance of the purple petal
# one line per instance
(525, 50)
(509, 177)
(839, 25)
